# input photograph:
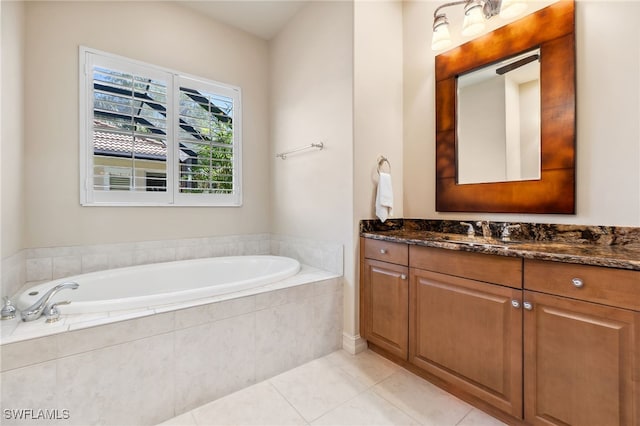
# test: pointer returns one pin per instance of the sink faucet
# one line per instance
(34, 311)
(486, 230)
(470, 231)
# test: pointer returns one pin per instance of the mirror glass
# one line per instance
(498, 121)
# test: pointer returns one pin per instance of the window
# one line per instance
(153, 136)
(156, 181)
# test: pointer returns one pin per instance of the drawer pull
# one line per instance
(528, 306)
(577, 283)
(515, 304)
(403, 277)
(383, 251)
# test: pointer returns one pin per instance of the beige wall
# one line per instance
(311, 101)
(357, 76)
(608, 112)
(161, 33)
(11, 123)
(378, 111)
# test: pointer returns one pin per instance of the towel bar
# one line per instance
(283, 155)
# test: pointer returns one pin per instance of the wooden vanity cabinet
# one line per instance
(466, 331)
(549, 342)
(581, 344)
(384, 309)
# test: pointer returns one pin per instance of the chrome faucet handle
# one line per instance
(470, 231)
(8, 310)
(506, 231)
(486, 229)
(52, 313)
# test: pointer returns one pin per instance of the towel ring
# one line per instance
(381, 161)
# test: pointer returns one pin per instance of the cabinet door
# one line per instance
(580, 362)
(470, 334)
(386, 305)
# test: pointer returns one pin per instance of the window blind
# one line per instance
(174, 137)
(205, 142)
(129, 124)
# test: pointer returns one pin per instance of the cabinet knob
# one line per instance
(383, 251)
(403, 277)
(577, 282)
(515, 304)
(528, 306)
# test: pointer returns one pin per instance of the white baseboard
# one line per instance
(353, 344)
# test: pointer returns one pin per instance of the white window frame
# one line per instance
(172, 197)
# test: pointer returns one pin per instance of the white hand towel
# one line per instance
(384, 197)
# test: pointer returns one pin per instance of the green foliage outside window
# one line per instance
(213, 168)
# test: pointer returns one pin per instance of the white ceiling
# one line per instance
(263, 18)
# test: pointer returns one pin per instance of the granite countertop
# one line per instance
(613, 247)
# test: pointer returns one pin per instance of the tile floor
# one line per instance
(339, 389)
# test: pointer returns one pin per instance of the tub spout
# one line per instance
(34, 311)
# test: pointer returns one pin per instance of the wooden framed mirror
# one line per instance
(552, 31)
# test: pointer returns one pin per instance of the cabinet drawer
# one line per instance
(385, 251)
(608, 286)
(476, 266)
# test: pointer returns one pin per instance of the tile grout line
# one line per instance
(193, 418)
(341, 404)
(368, 388)
(391, 402)
(288, 402)
(342, 372)
(465, 416)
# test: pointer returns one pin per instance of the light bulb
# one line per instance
(512, 8)
(473, 18)
(441, 36)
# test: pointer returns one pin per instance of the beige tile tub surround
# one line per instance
(105, 368)
(44, 264)
(149, 369)
(58, 262)
(14, 274)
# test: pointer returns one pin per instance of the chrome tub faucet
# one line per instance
(34, 311)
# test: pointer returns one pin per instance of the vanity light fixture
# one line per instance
(512, 8)
(473, 18)
(476, 12)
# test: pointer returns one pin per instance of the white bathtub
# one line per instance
(164, 283)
